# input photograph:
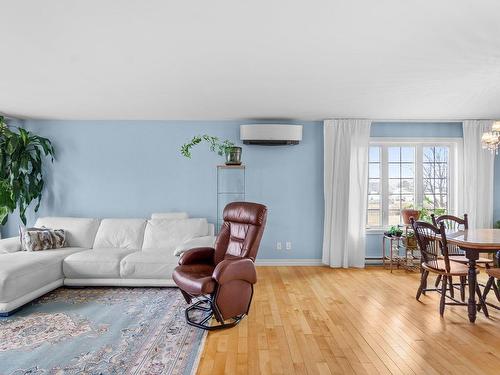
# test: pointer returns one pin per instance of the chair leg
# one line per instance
(443, 295)
(487, 287)
(497, 292)
(438, 280)
(423, 284)
(452, 290)
(481, 301)
(463, 279)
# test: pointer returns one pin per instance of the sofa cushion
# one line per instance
(148, 265)
(120, 234)
(10, 245)
(37, 239)
(95, 263)
(166, 234)
(23, 272)
(170, 215)
(80, 232)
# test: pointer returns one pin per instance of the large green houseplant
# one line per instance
(21, 179)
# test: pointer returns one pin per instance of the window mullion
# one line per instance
(451, 180)
(385, 186)
(419, 176)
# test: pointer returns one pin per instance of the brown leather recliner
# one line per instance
(222, 277)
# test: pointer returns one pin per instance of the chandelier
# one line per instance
(491, 140)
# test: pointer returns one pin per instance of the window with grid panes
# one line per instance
(409, 174)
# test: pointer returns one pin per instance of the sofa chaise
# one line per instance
(107, 252)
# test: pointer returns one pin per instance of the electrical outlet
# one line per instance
(288, 245)
(278, 245)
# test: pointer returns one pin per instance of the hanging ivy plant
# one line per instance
(21, 180)
(221, 147)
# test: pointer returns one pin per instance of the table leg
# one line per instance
(383, 252)
(472, 305)
(390, 245)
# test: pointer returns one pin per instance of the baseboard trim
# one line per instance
(306, 262)
(373, 261)
(288, 262)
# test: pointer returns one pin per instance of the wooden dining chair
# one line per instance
(455, 224)
(494, 274)
(434, 249)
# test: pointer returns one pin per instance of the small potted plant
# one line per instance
(410, 240)
(394, 231)
(221, 147)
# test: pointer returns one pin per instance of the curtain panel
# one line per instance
(346, 145)
(478, 175)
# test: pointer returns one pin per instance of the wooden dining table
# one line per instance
(473, 242)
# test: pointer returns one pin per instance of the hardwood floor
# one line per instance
(317, 320)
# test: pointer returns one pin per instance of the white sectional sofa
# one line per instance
(107, 252)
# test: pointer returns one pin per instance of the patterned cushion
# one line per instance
(36, 239)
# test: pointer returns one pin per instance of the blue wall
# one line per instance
(133, 168)
(417, 129)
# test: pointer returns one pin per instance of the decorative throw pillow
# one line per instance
(36, 239)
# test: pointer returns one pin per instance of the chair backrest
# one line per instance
(454, 224)
(451, 222)
(432, 242)
(241, 231)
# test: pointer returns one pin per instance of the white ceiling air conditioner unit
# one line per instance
(271, 134)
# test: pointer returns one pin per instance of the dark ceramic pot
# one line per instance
(233, 156)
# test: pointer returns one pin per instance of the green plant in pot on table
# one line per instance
(394, 231)
(21, 178)
(221, 147)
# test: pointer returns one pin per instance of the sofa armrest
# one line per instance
(10, 245)
(205, 241)
(235, 269)
(204, 255)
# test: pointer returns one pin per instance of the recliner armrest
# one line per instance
(10, 245)
(235, 269)
(197, 255)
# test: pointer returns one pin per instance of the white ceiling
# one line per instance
(230, 59)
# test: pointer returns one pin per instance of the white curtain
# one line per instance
(478, 169)
(346, 144)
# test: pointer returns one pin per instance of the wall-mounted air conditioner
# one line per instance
(271, 134)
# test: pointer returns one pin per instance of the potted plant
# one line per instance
(409, 212)
(21, 178)
(394, 231)
(410, 241)
(221, 147)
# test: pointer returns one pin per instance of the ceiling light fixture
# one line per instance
(491, 140)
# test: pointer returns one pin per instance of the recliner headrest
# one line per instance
(245, 213)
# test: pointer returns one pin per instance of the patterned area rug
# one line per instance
(100, 331)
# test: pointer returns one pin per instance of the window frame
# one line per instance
(455, 146)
